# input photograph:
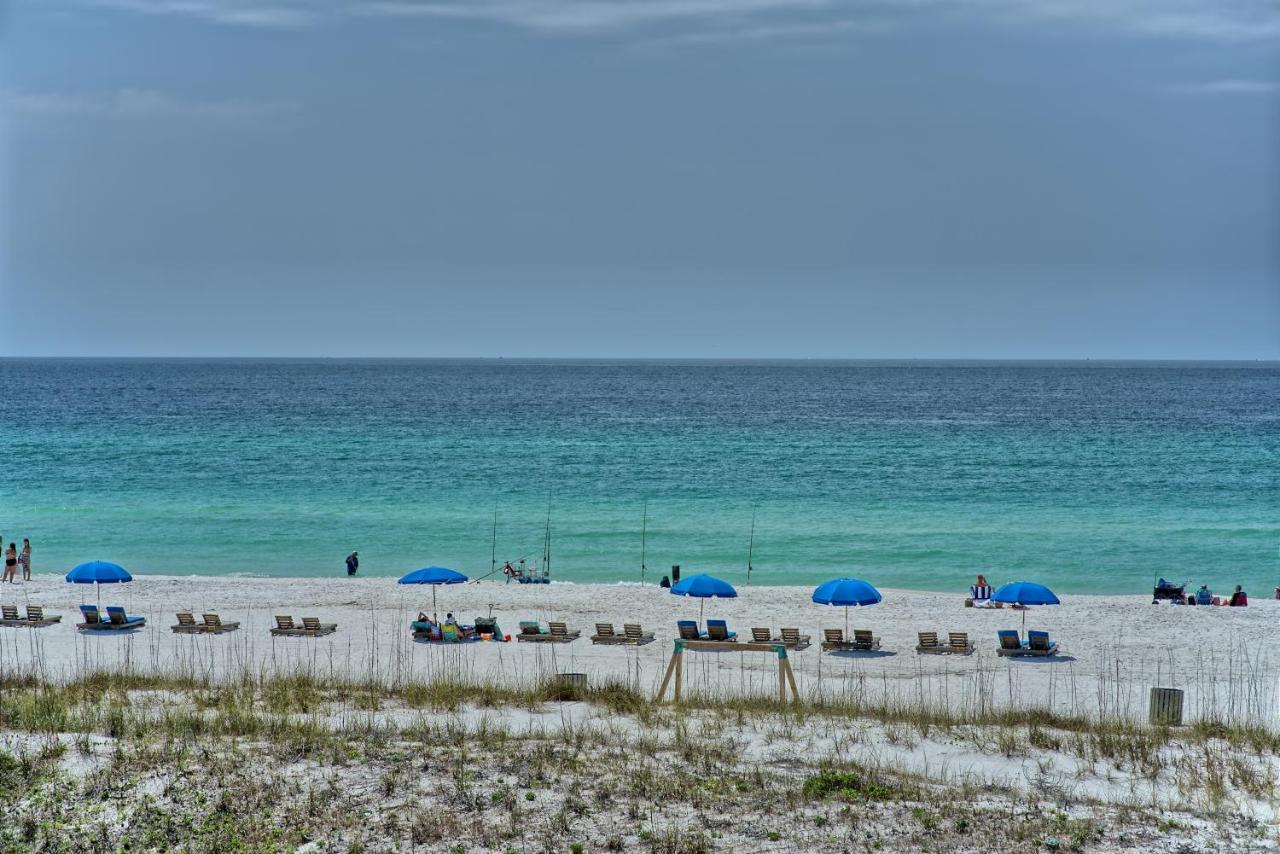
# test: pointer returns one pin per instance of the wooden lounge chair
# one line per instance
(560, 633)
(792, 639)
(37, 616)
(606, 635)
(317, 628)
(929, 644)
(863, 641)
(310, 628)
(960, 643)
(689, 630)
(833, 640)
(718, 630)
(762, 636)
(187, 624)
(213, 625)
(636, 635)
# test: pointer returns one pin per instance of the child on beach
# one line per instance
(24, 559)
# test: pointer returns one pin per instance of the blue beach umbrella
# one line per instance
(846, 593)
(99, 572)
(1024, 593)
(435, 576)
(704, 587)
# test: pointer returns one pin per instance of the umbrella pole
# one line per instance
(434, 615)
(846, 622)
(702, 610)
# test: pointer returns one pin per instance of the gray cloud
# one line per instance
(1227, 87)
(141, 103)
(1217, 20)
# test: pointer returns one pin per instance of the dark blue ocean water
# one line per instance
(917, 474)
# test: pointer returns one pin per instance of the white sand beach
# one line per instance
(1113, 649)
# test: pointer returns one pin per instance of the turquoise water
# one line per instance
(1088, 475)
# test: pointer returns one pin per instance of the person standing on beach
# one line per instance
(353, 563)
(24, 559)
(11, 563)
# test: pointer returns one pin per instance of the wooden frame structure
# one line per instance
(675, 668)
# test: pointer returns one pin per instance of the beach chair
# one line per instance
(718, 630)
(761, 636)
(187, 624)
(449, 633)
(120, 620)
(92, 619)
(636, 635)
(561, 633)
(315, 628)
(285, 627)
(36, 615)
(960, 643)
(9, 616)
(1038, 643)
(606, 635)
(864, 640)
(833, 640)
(1010, 644)
(689, 630)
(929, 645)
(792, 639)
(213, 625)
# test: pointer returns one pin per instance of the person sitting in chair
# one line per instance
(1204, 596)
(1238, 599)
(980, 592)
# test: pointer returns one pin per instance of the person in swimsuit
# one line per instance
(24, 559)
(11, 562)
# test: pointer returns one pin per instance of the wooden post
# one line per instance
(791, 677)
(679, 657)
(671, 668)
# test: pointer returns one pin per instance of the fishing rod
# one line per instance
(644, 528)
(493, 553)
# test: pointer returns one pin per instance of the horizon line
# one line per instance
(681, 359)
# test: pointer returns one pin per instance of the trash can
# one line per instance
(1166, 707)
(576, 681)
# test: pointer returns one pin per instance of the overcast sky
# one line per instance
(830, 178)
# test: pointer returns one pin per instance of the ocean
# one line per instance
(1088, 476)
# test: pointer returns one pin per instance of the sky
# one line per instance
(641, 178)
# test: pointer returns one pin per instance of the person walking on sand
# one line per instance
(24, 559)
(11, 563)
(353, 563)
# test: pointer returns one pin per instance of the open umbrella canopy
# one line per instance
(99, 572)
(704, 587)
(1024, 593)
(434, 575)
(846, 592)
